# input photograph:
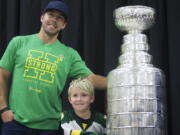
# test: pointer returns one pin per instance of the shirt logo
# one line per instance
(41, 65)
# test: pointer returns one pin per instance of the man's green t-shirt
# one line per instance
(39, 72)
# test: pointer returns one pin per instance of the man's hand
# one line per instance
(99, 82)
(7, 116)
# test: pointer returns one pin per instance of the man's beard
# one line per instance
(50, 33)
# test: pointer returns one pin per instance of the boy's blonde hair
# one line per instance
(82, 83)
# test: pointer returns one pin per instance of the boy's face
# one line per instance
(80, 100)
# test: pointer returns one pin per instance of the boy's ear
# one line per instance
(92, 99)
(69, 99)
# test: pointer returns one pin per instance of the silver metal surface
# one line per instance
(134, 19)
(136, 89)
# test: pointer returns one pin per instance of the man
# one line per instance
(39, 65)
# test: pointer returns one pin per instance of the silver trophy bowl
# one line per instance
(136, 89)
(134, 18)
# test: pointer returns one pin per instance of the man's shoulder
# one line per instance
(69, 48)
(23, 37)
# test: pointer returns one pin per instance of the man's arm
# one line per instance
(4, 79)
(99, 82)
(6, 115)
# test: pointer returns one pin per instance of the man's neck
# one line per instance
(47, 38)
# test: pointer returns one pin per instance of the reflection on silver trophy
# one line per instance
(136, 89)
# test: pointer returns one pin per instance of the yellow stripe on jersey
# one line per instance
(75, 132)
(84, 125)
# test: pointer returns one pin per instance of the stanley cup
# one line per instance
(136, 90)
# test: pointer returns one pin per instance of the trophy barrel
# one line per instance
(136, 97)
(136, 101)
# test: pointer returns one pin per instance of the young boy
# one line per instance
(82, 120)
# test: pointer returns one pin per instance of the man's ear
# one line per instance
(41, 18)
(64, 26)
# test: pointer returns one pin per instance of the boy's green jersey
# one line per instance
(95, 125)
(39, 72)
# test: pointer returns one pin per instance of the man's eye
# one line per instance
(60, 17)
(51, 15)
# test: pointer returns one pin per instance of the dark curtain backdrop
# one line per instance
(92, 32)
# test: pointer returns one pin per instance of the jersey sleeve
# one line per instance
(101, 120)
(65, 126)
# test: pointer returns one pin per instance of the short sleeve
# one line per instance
(7, 61)
(78, 67)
